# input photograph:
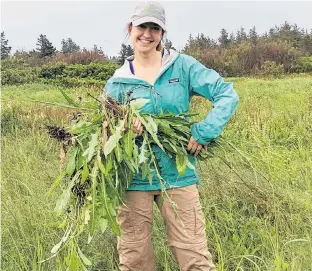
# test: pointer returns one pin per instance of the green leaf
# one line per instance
(181, 164)
(118, 153)
(190, 165)
(60, 105)
(84, 173)
(63, 200)
(137, 104)
(87, 216)
(68, 99)
(80, 160)
(74, 262)
(135, 152)
(103, 224)
(144, 169)
(113, 140)
(143, 151)
(91, 105)
(127, 142)
(83, 127)
(84, 259)
(71, 165)
(109, 165)
(150, 176)
(94, 176)
(111, 209)
(92, 145)
(129, 164)
(63, 240)
(100, 165)
(90, 237)
(150, 126)
(56, 182)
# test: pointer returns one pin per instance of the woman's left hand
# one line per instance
(137, 126)
(194, 148)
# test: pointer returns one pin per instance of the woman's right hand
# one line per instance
(137, 126)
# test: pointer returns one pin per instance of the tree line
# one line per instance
(285, 48)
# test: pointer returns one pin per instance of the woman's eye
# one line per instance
(142, 26)
(155, 28)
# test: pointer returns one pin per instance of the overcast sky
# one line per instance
(103, 22)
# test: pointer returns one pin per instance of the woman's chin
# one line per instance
(145, 48)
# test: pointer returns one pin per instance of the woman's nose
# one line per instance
(147, 32)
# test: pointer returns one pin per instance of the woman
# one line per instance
(168, 80)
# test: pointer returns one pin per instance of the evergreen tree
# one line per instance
(97, 50)
(272, 32)
(224, 38)
(125, 51)
(232, 38)
(45, 47)
(129, 51)
(307, 43)
(69, 46)
(189, 43)
(168, 44)
(253, 36)
(241, 35)
(5, 48)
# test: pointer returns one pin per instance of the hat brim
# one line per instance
(148, 19)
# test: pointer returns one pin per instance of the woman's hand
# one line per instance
(137, 126)
(194, 148)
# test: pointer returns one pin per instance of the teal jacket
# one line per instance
(180, 78)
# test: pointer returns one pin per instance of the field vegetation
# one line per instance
(258, 205)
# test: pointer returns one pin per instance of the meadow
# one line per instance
(257, 202)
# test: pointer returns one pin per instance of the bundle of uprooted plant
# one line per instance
(100, 154)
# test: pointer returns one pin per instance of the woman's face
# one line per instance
(145, 37)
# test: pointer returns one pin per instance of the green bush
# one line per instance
(16, 71)
(75, 82)
(52, 71)
(271, 69)
(95, 71)
(245, 58)
(304, 64)
(15, 76)
(92, 73)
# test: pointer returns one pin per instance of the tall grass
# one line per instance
(257, 202)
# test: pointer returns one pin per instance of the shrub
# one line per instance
(92, 71)
(52, 71)
(82, 57)
(304, 64)
(271, 69)
(245, 58)
(15, 76)
(75, 82)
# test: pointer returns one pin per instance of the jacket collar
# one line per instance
(124, 71)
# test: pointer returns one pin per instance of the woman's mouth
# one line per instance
(145, 41)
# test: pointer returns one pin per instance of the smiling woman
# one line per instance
(147, 33)
(167, 80)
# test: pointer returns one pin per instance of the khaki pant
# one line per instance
(187, 243)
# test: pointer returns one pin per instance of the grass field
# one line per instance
(257, 202)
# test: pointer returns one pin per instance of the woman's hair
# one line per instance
(160, 45)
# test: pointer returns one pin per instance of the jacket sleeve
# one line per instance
(209, 84)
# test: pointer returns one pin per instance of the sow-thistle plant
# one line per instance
(100, 155)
